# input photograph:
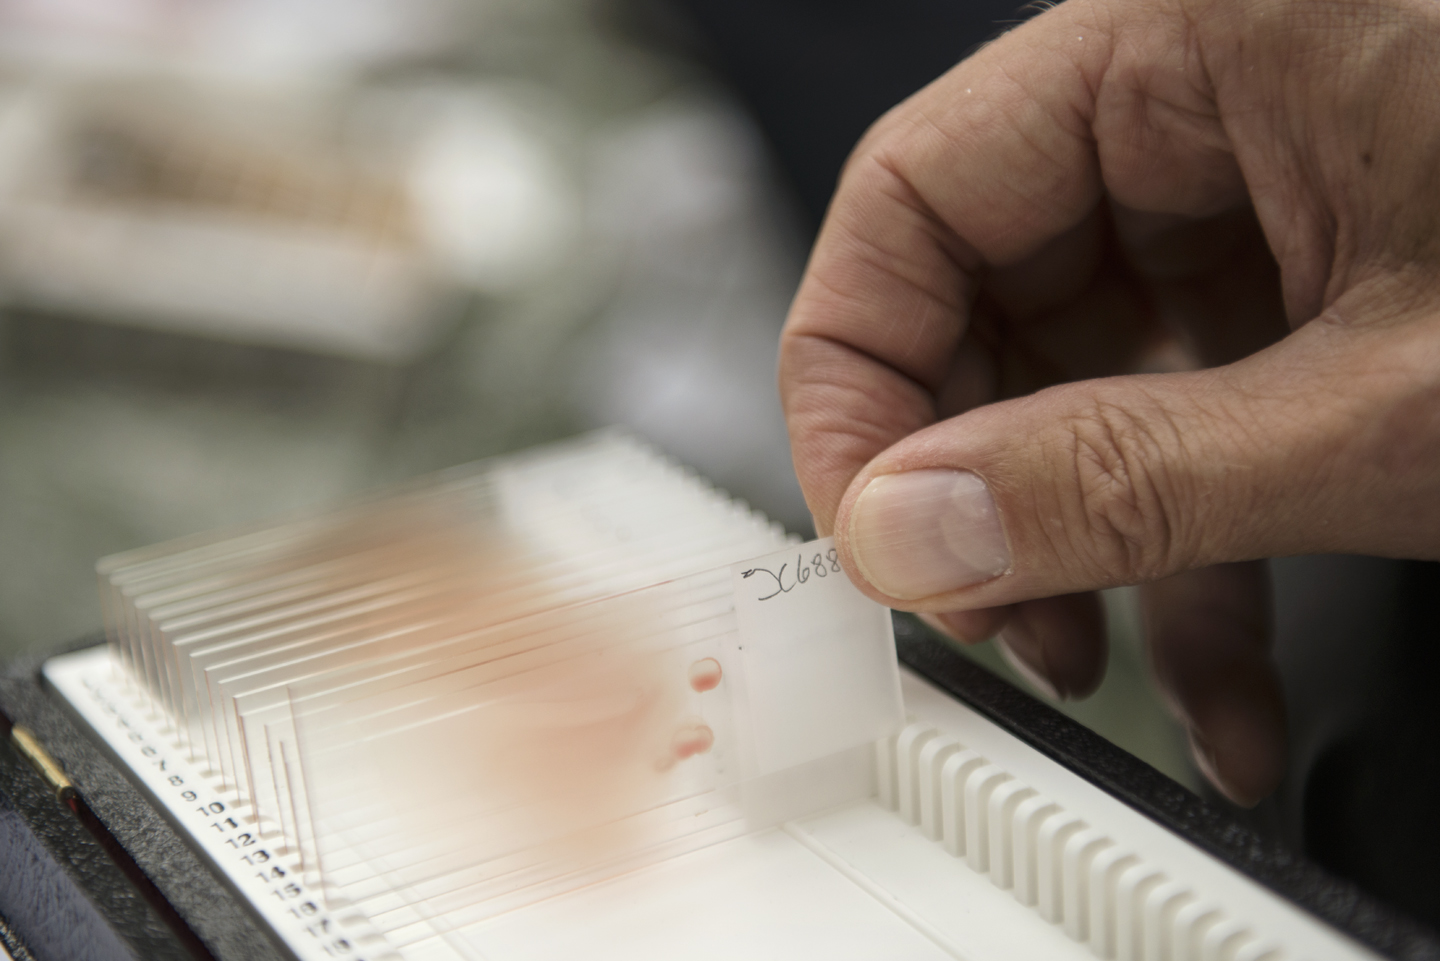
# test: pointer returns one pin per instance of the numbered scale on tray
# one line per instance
(269, 877)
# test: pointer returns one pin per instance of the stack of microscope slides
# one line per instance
(346, 676)
(341, 673)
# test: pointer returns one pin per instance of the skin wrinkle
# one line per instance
(1226, 407)
(1077, 122)
(1422, 243)
(1382, 48)
(907, 357)
(831, 344)
(1288, 409)
(1300, 245)
(1347, 200)
(848, 446)
(1356, 432)
(1057, 535)
(1393, 441)
(1041, 201)
(1092, 68)
(1383, 299)
(1284, 220)
(1411, 423)
(855, 432)
(912, 370)
(961, 255)
(1136, 81)
(1201, 118)
(1122, 509)
(932, 229)
(1145, 58)
(854, 441)
(1199, 72)
(866, 253)
(948, 306)
(827, 369)
(861, 278)
(1075, 117)
(920, 126)
(1145, 140)
(909, 116)
(1007, 252)
(1221, 154)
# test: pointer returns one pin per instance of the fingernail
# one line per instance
(1204, 756)
(1019, 659)
(927, 532)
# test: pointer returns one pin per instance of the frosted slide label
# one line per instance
(815, 657)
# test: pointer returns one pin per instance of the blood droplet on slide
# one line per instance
(705, 675)
(691, 739)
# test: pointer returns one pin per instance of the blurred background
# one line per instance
(259, 255)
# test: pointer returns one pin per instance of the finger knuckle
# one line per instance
(1124, 522)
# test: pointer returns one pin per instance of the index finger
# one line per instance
(984, 167)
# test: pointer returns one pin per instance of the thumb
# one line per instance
(1130, 479)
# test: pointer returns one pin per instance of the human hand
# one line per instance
(1254, 183)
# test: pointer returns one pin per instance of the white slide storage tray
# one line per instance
(973, 846)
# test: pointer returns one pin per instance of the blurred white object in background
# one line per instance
(257, 38)
(264, 217)
(491, 199)
(685, 351)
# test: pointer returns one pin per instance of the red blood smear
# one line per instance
(705, 675)
(692, 739)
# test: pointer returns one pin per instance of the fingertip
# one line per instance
(920, 534)
(1029, 674)
(1058, 644)
(1239, 745)
(1208, 632)
(1243, 789)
